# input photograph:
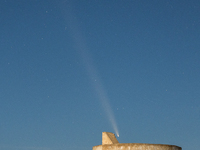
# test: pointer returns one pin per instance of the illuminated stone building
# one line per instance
(109, 142)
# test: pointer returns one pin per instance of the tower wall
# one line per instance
(136, 146)
(109, 142)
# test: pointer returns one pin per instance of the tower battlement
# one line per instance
(108, 138)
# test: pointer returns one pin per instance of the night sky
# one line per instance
(72, 69)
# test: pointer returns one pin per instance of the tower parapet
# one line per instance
(108, 138)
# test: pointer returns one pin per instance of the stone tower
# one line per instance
(109, 142)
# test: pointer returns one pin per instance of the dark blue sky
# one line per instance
(67, 68)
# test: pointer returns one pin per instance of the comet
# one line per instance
(91, 70)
